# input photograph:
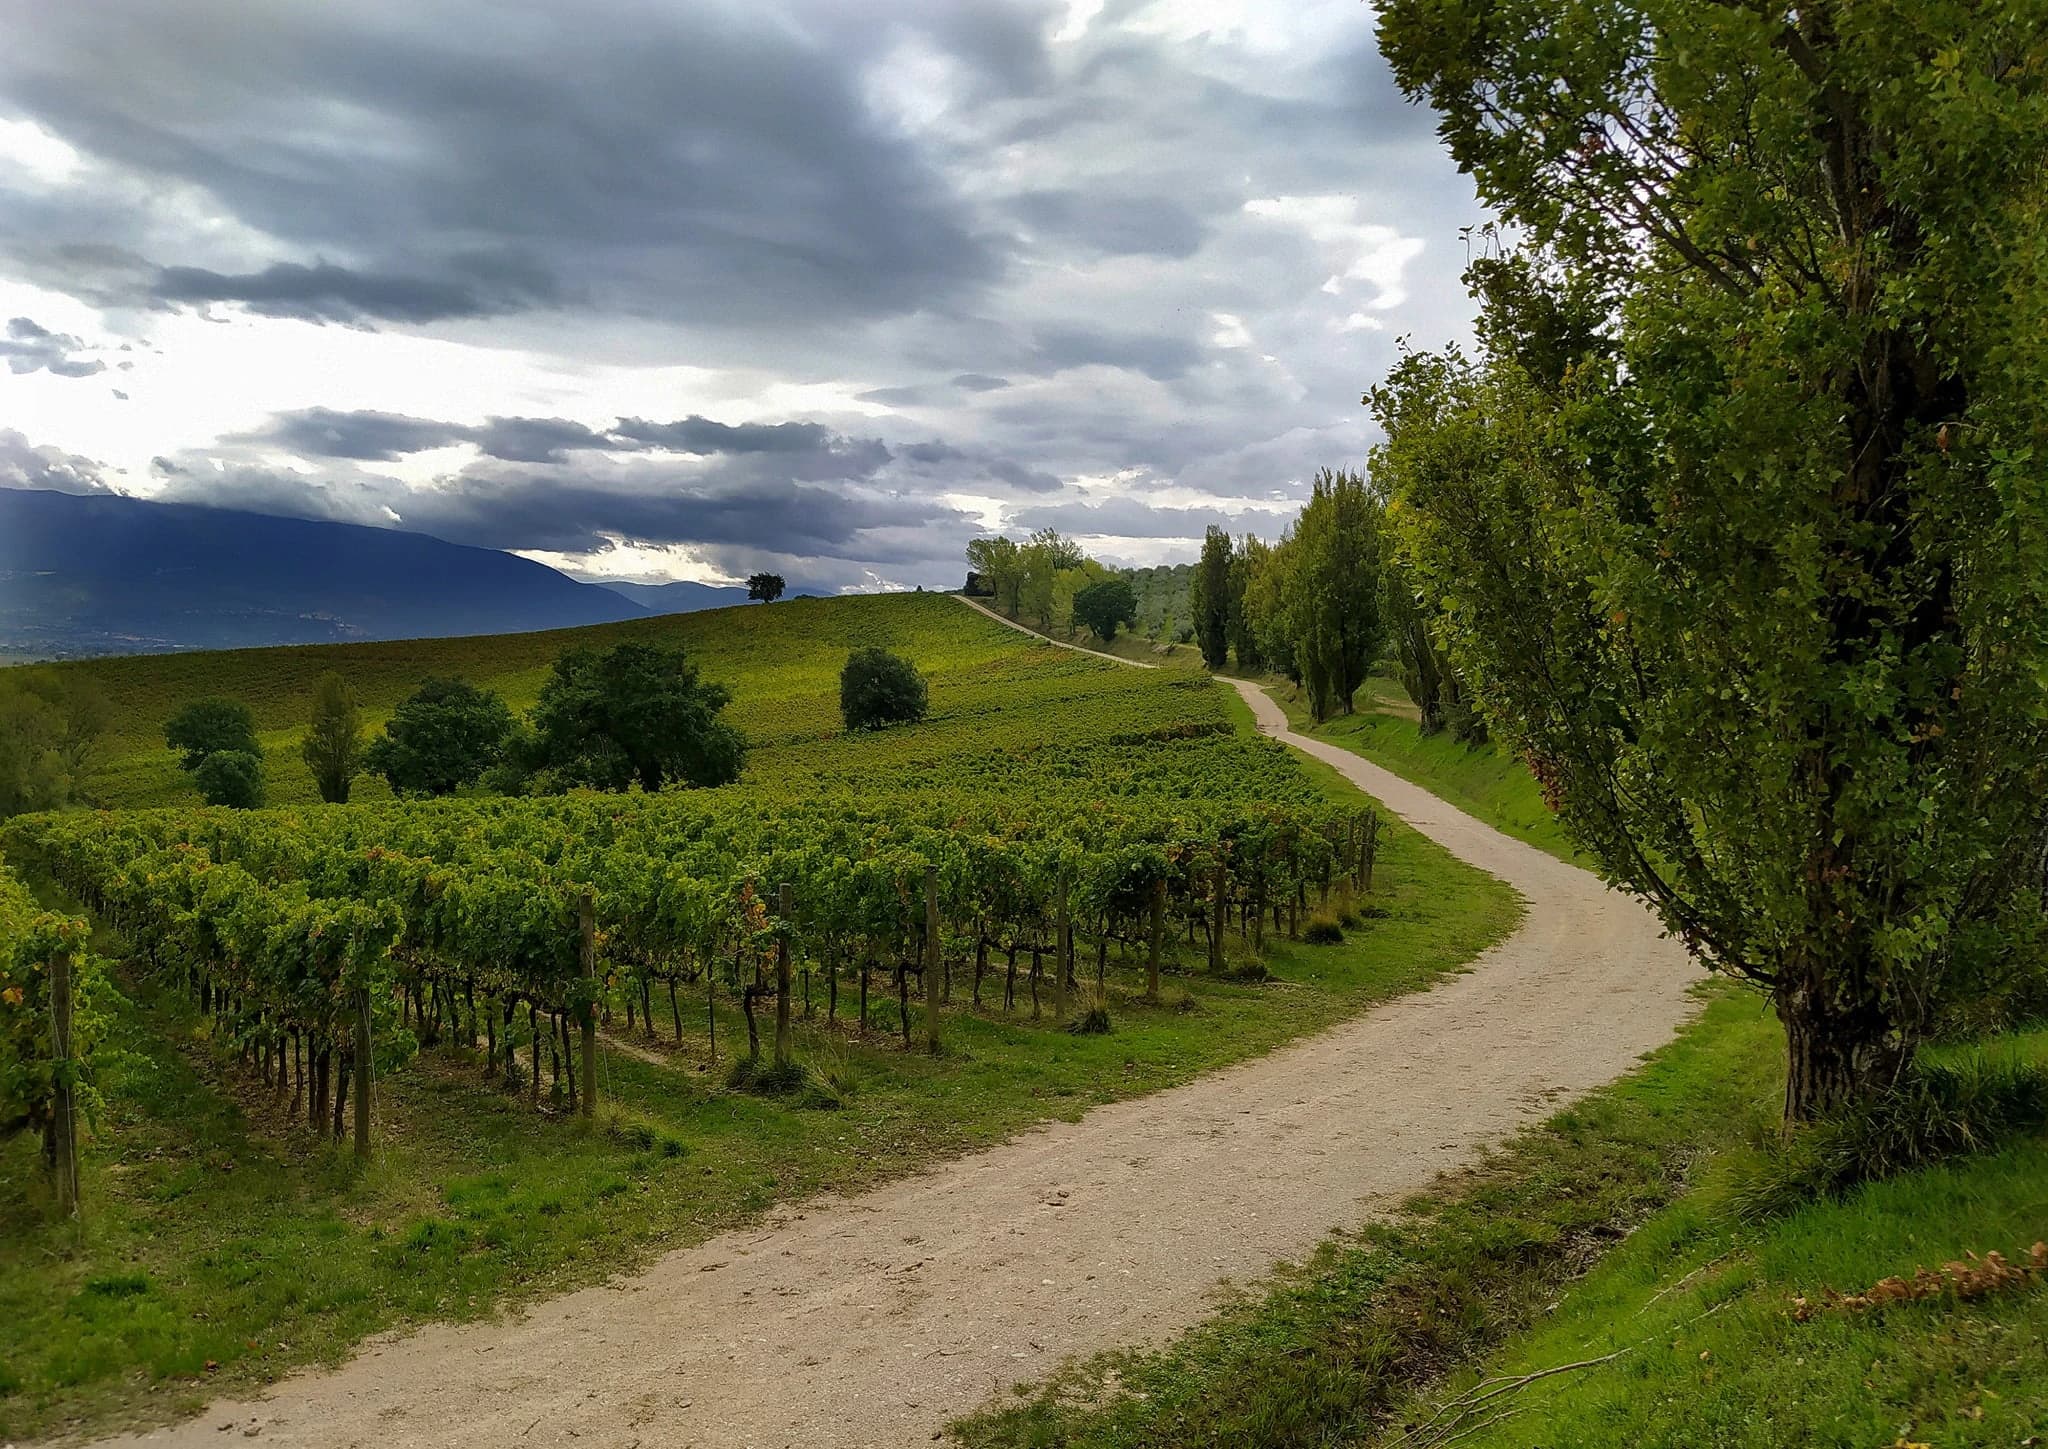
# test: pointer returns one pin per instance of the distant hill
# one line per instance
(678, 598)
(104, 574)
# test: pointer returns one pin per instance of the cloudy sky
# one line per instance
(681, 289)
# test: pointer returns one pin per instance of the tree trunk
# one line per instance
(1837, 1055)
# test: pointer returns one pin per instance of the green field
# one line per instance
(223, 1244)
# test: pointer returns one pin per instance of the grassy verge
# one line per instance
(223, 1246)
(1605, 1239)
(1478, 779)
(1333, 1346)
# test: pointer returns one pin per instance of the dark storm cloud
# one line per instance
(29, 347)
(1158, 355)
(367, 436)
(325, 293)
(534, 440)
(709, 164)
(577, 510)
(24, 465)
(980, 382)
(702, 435)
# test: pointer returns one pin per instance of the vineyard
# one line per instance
(1076, 881)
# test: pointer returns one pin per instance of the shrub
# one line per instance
(1323, 930)
(878, 688)
(231, 777)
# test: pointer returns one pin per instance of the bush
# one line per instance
(1323, 931)
(231, 777)
(878, 688)
(1094, 1021)
(1935, 1112)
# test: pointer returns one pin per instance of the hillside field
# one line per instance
(224, 1243)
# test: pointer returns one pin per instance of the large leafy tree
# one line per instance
(878, 689)
(1209, 598)
(1104, 605)
(444, 736)
(1739, 523)
(211, 726)
(1001, 567)
(333, 747)
(636, 712)
(1245, 561)
(50, 726)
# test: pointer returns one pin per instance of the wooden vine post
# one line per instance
(64, 1107)
(1066, 952)
(783, 910)
(931, 958)
(586, 923)
(363, 1060)
(1372, 849)
(1216, 918)
(1158, 941)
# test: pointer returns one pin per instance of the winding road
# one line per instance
(873, 1320)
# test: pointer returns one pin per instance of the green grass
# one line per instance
(1479, 779)
(781, 661)
(223, 1246)
(1607, 1231)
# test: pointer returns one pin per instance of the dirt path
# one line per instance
(981, 608)
(874, 1320)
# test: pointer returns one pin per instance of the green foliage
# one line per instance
(1001, 568)
(1735, 524)
(767, 588)
(50, 726)
(444, 736)
(231, 777)
(635, 713)
(30, 937)
(1209, 598)
(209, 726)
(1105, 604)
(333, 748)
(1338, 632)
(877, 689)
(1246, 561)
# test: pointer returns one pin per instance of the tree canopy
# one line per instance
(443, 737)
(1735, 524)
(765, 587)
(1104, 605)
(209, 726)
(877, 688)
(50, 723)
(1209, 598)
(634, 713)
(231, 777)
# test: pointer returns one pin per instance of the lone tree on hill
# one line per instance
(878, 688)
(443, 737)
(1737, 526)
(210, 726)
(765, 587)
(1105, 604)
(637, 712)
(334, 746)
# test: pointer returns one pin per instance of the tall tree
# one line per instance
(1209, 598)
(1338, 629)
(333, 748)
(1268, 606)
(636, 712)
(1001, 569)
(1423, 669)
(1245, 560)
(1738, 524)
(50, 725)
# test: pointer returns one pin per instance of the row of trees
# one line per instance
(51, 722)
(633, 714)
(1735, 524)
(1039, 581)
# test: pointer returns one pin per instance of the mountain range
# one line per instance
(100, 573)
